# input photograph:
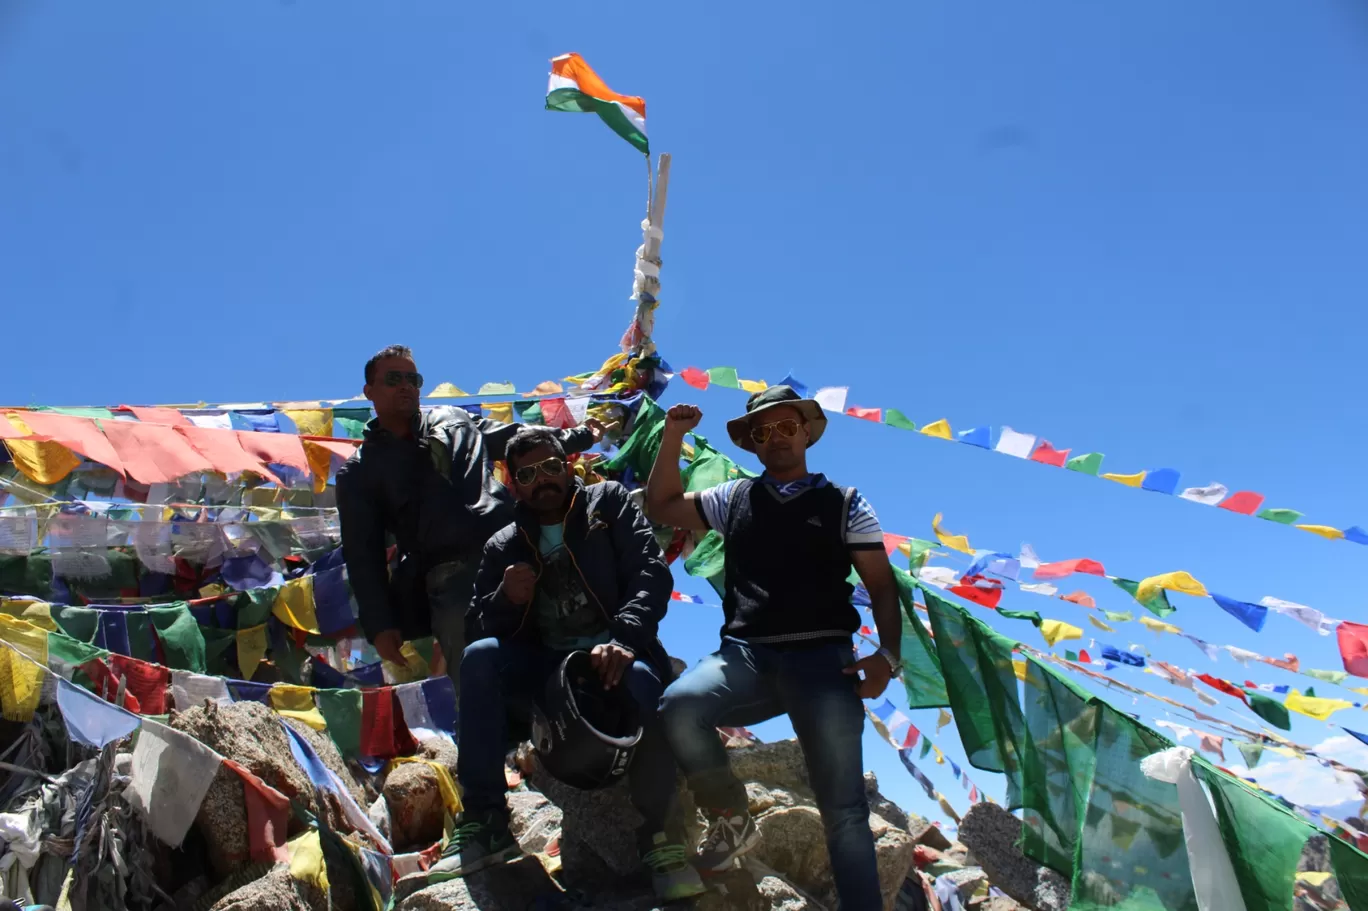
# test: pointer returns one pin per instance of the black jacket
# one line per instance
(617, 556)
(436, 494)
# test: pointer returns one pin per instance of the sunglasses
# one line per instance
(788, 427)
(553, 467)
(399, 378)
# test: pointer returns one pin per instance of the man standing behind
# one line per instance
(426, 479)
(579, 570)
(791, 539)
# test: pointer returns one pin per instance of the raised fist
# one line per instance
(519, 581)
(681, 419)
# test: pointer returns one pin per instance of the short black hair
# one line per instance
(403, 351)
(529, 438)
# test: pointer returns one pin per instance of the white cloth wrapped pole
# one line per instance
(1213, 875)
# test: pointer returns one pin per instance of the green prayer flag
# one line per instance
(341, 709)
(78, 412)
(528, 412)
(181, 640)
(1263, 839)
(1310, 692)
(918, 550)
(1070, 656)
(1033, 616)
(895, 418)
(142, 644)
(497, 389)
(218, 643)
(724, 376)
(1270, 710)
(80, 623)
(1281, 516)
(65, 654)
(708, 560)
(922, 678)
(1158, 605)
(31, 575)
(1351, 871)
(253, 606)
(1119, 616)
(638, 451)
(1327, 676)
(1088, 463)
(926, 747)
(348, 428)
(1252, 753)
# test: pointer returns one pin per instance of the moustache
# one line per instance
(553, 488)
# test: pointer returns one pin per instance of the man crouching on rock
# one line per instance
(791, 540)
(579, 569)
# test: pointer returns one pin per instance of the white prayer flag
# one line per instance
(1208, 496)
(1015, 444)
(171, 774)
(832, 398)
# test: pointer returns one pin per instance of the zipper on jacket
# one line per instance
(536, 550)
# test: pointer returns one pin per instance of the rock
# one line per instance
(782, 896)
(991, 903)
(759, 798)
(604, 821)
(415, 806)
(968, 881)
(1316, 857)
(249, 733)
(732, 890)
(925, 833)
(794, 843)
(776, 765)
(959, 853)
(893, 849)
(440, 750)
(509, 887)
(533, 820)
(276, 891)
(992, 834)
(885, 807)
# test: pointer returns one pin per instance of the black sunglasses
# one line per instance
(400, 377)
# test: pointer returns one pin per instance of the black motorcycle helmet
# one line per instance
(585, 736)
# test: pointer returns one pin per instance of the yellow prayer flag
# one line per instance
(503, 412)
(1362, 691)
(1284, 751)
(23, 662)
(1315, 878)
(448, 391)
(940, 757)
(294, 605)
(943, 719)
(938, 429)
(1019, 668)
(1057, 631)
(1325, 531)
(954, 542)
(1176, 582)
(946, 808)
(1314, 706)
(753, 385)
(1159, 626)
(496, 389)
(41, 461)
(297, 702)
(415, 669)
(320, 463)
(880, 727)
(251, 648)
(1130, 480)
(39, 613)
(1099, 624)
(451, 798)
(313, 422)
(306, 860)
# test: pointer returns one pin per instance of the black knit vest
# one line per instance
(787, 566)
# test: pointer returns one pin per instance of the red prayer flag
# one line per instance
(913, 735)
(157, 415)
(695, 377)
(77, 434)
(555, 413)
(1079, 597)
(280, 448)
(1225, 686)
(224, 451)
(1083, 656)
(979, 590)
(893, 542)
(154, 453)
(383, 732)
(1245, 502)
(866, 414)
(1068, 568)
(1048, 455)
(106, 686)
(1353, 646)
(268, 817)
(148, 682)
(1289, 662)
(866, 631)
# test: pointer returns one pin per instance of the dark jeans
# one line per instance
(499, 679)
(450, 588)
(743, 684)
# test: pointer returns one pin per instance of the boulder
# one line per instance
(992, 834)
(885, 807)
(968, 882)
(992, 903)
(276, 891)
(533, 819)
(893, 849)
(776, 765)
(513, 886)
(926, 833)
(603, 821)
(415, 806)
(794, 843)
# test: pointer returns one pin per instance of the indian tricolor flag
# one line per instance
(577, 88)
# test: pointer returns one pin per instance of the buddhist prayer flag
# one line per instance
(1067, 568)
(1208, 496)
(1056, 631)
(1016, 444)
(1161, 480)
(1088, 463)
(1048, 455)
(1251, 615)
(1130, 480)
(575, 87)
(1175, 581)
(939, 429)
(1245, 502)
(1313, 706)
(1353, 646)
(954, 542)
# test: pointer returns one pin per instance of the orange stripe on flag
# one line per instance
(572, 66)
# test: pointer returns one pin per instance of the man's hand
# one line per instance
(519, 581)
(876, 672)
(680, 419)
(611, 661)
(596, 428)
(388, 645)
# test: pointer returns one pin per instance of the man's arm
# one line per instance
(491, 613)
(877, 575)
(666, 501)
(496, 435)
(363, 548)
(644, 577)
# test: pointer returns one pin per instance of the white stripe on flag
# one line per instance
(832, 398)
(1015, 444)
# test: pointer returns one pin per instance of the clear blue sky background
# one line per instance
(1137, 229)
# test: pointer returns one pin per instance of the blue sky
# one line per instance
(1130, 229)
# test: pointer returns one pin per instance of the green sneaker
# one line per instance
(475, 843)
(672, 876)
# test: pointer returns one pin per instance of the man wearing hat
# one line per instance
(792, 538)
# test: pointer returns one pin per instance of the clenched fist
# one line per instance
(680, 419)
(519, 581)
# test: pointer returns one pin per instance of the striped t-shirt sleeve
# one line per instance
(862, 525)
(713, 504)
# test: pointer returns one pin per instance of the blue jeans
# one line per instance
(499, 679)
(743, 684)
(450, 588)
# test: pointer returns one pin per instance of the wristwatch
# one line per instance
(893, 663)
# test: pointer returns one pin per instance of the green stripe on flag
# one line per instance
(724, 376)
(895, 418)
(610, 112)
(1282, 516)
(1088, 463)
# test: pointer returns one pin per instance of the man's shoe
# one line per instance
(476, 842)
(672, 876)
(731, 835)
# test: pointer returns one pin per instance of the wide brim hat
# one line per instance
(767, 399)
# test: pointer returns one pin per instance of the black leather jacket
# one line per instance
(436, 494)
(618, 558)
